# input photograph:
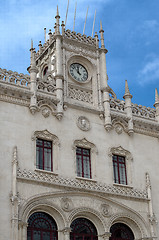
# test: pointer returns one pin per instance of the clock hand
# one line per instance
(78, 70)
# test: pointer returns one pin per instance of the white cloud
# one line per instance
(150, 25)
(150, 72)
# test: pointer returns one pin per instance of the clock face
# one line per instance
(78, 72)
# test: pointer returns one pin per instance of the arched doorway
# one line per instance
(120, 231)
(83, 229)
(41, 226)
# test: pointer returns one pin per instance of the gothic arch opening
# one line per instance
(83, 229)
(120, 231)
(41, 226)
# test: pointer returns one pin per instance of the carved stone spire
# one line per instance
(127, 92)
(102, 35)
(128, 108)
(57, 21)
(156, 104)
(156, 96)
(33, 76)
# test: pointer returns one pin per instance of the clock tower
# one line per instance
(71, 68)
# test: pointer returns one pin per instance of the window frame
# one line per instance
(47, 136)
(43, 147)
(84, 143)
(119, 165)
(82, 163)
(120, 151)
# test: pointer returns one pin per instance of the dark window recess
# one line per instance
(45, 71)
(44, 155)
(83, 229)
(41, 226)
(119, 168)
(83, 162)
(120, 231)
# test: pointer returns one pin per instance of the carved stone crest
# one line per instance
(105, 210)
(46, 112)
(83, 123)
(118, 128)
(66, 204)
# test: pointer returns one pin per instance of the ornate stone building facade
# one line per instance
(76, 162)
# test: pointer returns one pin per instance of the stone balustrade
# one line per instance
(18, 79)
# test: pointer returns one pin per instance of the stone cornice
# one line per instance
(90, 186)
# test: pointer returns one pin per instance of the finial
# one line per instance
(156, 96)
(45, 34)
(31, 49)
(57, 22)
(127, 92)
(31, 44)
(101, 28)
(63, 28)
(66, 13)
(50, 34)
(40, 45)
(93, 23)
(57, 11)
(97, 40)
(74, 16)
(102, 36)
(126, 87)
(85, 20)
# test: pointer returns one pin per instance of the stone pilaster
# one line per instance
(151, 215)
(14, 197)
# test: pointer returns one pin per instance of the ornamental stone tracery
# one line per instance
(46, 135)
(81, 184)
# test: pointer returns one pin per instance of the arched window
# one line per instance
(120, 231)
(83, 229)
(41, 226)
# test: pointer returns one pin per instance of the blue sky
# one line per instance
(131, 31)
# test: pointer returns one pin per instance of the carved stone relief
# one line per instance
(85, 144)
(105, 210)
(66, 204)
(45, 134)
(47, 107)
(120, 125)
(83, 123)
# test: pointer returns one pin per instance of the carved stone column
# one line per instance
(59, 69)
(66, 231)
(24, 231)
(104, 236)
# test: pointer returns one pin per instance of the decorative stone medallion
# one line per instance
(105, 210)
(66, 204)
(83, 123)
(118, 128)
(46, 112)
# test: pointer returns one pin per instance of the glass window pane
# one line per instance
(46, 236)
(36, 235)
